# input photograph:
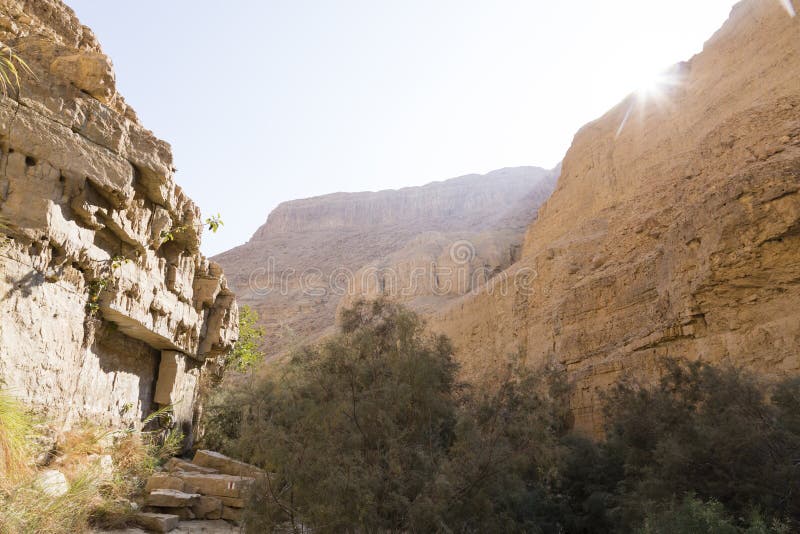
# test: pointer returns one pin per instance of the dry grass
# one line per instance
(16, 429)
(11, 66)
(96, 497)
(27, 509)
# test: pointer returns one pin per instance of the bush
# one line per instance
(247, 352)
(705, 430)
(692, 516)
(371, 431)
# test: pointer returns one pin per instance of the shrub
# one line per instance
(714, 432)
(692, 516)
(247, 351)
(371, 431)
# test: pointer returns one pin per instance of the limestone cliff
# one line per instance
(674, 229)
(422, 245)
(101, 312)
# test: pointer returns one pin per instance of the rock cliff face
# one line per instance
(422, 245)
(100, 313)
(674, 229)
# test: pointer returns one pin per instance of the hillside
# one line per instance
(313, 253)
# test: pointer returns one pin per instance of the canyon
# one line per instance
(423, 246)
(109, 308)
(670, 230)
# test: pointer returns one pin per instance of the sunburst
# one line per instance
(789, 7)
(653, 90)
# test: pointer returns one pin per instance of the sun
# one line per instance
(654, 85)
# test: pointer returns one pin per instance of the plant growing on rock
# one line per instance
(11, 65)
(247, 351)
(101, 283)
(213, 223)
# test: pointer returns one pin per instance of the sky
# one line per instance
(265, 101)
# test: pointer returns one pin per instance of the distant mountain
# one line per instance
(422, 245)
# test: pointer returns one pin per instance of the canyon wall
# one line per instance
(421, 245)
(674, 229)
(108, 307)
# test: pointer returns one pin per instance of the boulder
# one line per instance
(52, 482)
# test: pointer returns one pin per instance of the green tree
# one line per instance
(718, 433)
(247, 351)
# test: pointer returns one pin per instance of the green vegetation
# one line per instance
(101, 283)
(371, 431)
(247, 351)
(213, 223)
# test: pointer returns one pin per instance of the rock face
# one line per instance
(423, 245)
(93, 291)
(674, 229)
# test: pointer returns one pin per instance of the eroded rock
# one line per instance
(99, 274)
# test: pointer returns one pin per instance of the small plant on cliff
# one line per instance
(11, 65)
(101, 283)
(247, 351)
(214, 223)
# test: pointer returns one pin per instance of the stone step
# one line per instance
(178, 464)
(225, 464)
(233, 515)
(171, 498)
(209, 507)
(184, 513)
(156, 522)
(216, 485)
(164, 481)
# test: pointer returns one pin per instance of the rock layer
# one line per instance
(674, 229)
(422, 245)
(92, 288)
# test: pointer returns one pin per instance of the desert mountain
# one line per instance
(424, 245)
(674, 229)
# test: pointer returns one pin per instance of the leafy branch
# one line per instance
(213, 223)
(101, 283)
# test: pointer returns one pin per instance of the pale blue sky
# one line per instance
(266, 101)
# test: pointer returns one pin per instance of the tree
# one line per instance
(247, 351)
(715, 432)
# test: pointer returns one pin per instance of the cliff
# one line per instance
(674, 229)
(421, 245)
(103, 316)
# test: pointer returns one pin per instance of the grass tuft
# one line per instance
(16, 429)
